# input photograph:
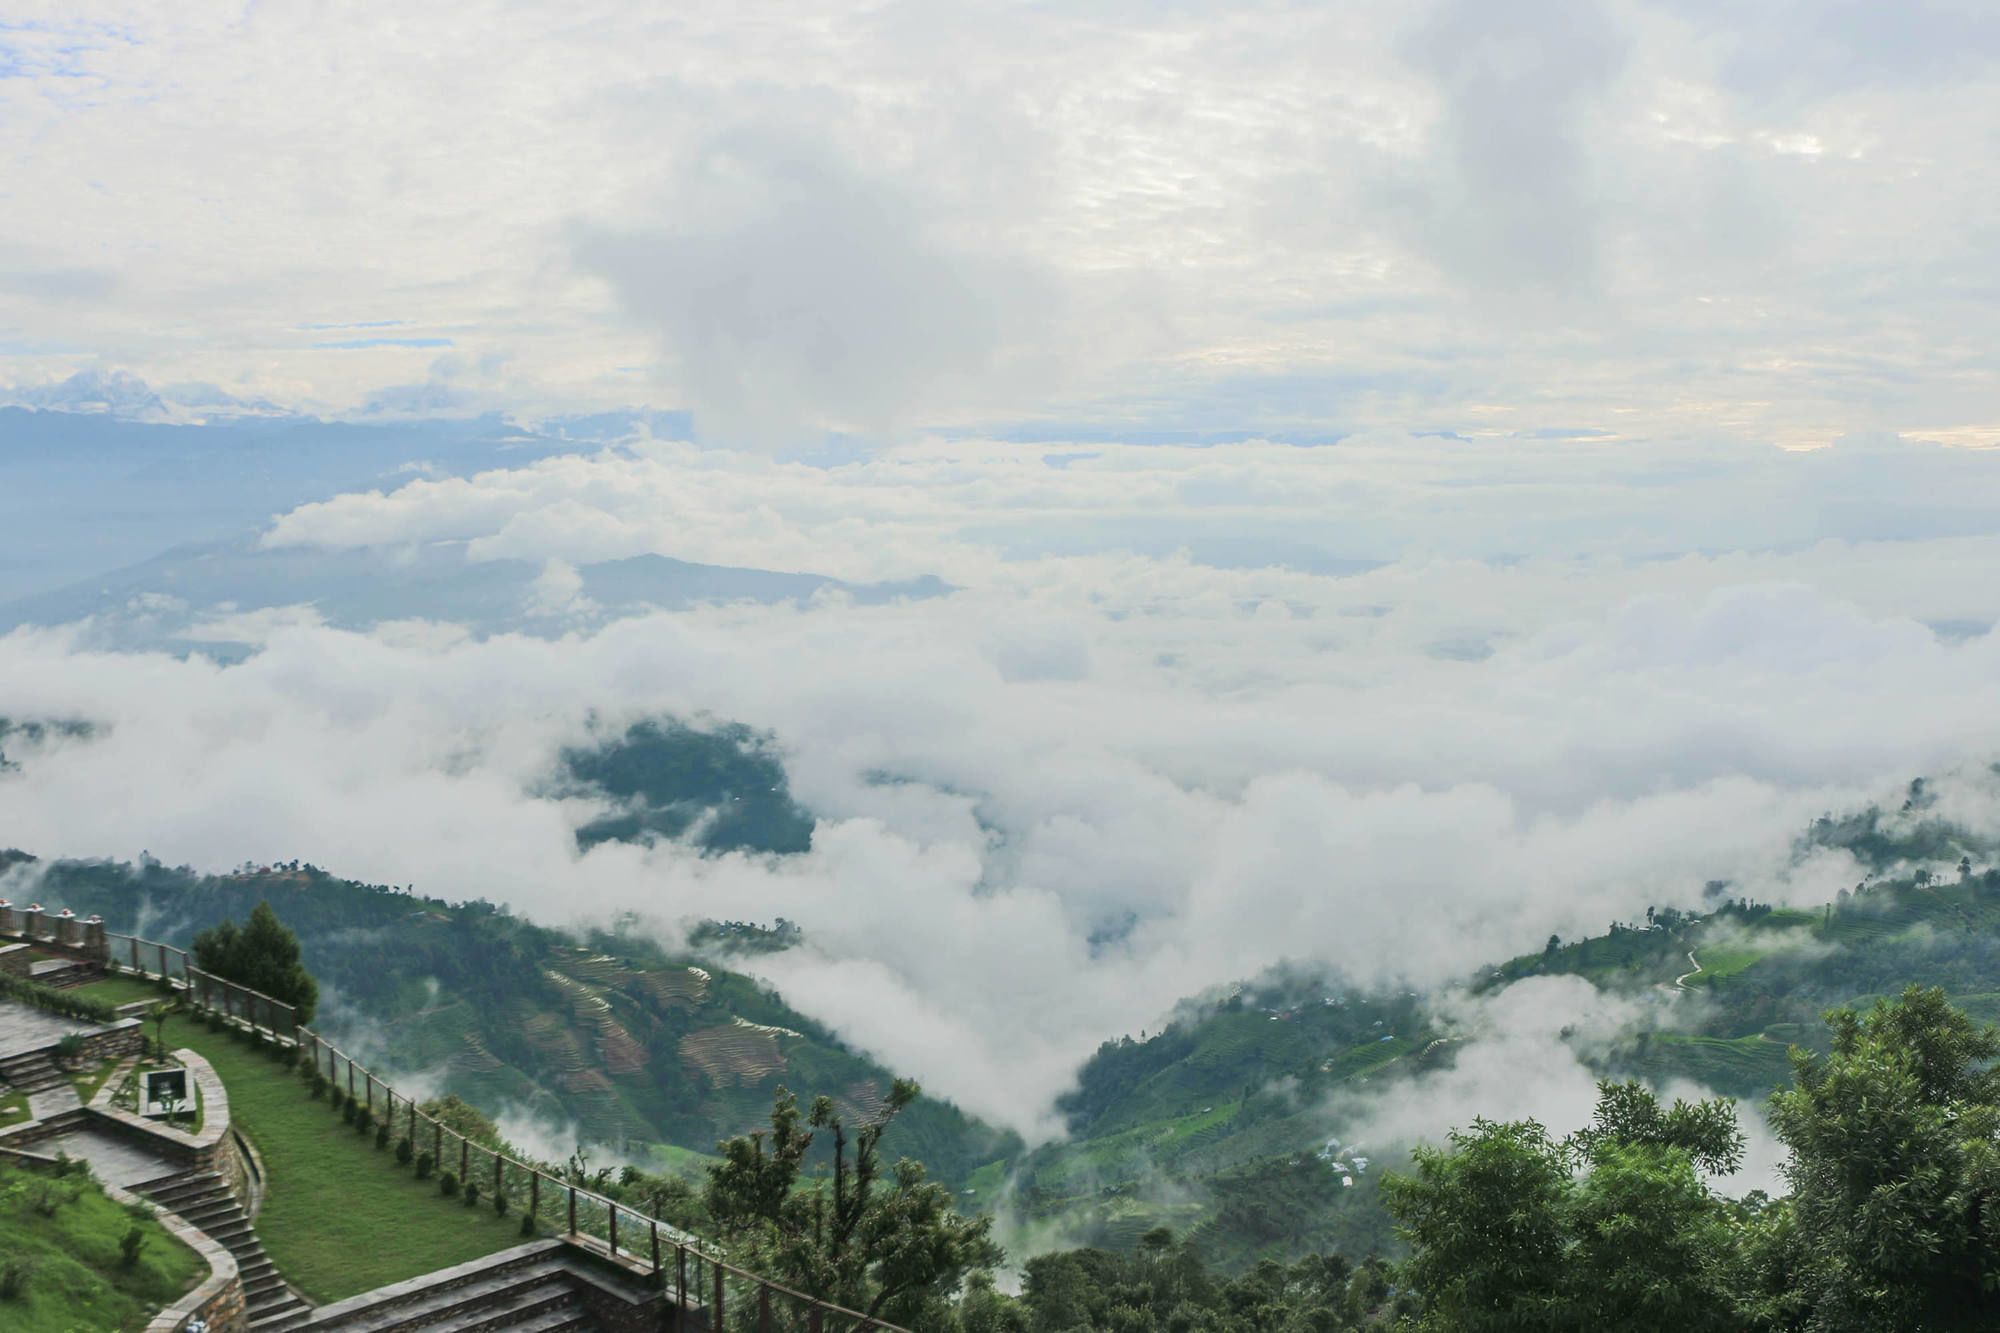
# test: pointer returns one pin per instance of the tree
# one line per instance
(1609, 1228)
(893, 1246)
(263, 955)
(1895, 1170)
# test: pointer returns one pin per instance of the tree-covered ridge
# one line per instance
(657, 1055)
(724, 786)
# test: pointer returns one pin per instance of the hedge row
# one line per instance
(67, 1003)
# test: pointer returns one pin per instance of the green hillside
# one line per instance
(1222, 1119)
(643, 1052)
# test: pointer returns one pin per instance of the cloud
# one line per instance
(1646, 218)
(1091, 781)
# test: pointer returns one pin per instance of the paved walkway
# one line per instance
(117, 1160)
(52, 1102)
(24, 1029)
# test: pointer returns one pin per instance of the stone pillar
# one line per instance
(95, 941)
(31, 921)
(69, 930)
(8, 922)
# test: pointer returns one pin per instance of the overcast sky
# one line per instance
(1770, 221)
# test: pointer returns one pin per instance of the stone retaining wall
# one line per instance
(219, 1302)
(212, 1149)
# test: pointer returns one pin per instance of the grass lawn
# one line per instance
(76, 1279)
(121, 990)
(90, 1080)
(339, 1217)
(13, 1107)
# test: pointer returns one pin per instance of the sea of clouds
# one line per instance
(1142, 748)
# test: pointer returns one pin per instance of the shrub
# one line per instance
(14, 1276)
(68, 1004)
(471, 1194)
(500, 1203)
(129, 1246)
(336, 1095)
(447, 1184)
(364, 1120)
(527, 1224)
(318, 1084)
(69, 1047)
(425, 1163)
(404, 1151)
(288, 1056)
(382, 1136)
(347, 1110)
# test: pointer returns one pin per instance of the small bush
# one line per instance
(288, 1056)
(364, 1120)
(404, 1151)
(425, 1165)
(527, 1224)
(447, 1184)
(335, 1096)
(129, 1246)
(347, 1110)
(500, 1204)
(382, 1136)
(318, 1084)
(471, 1194)
(15, 1274)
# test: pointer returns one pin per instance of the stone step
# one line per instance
(281, 1321)
(574, 1319)
(484, 1302)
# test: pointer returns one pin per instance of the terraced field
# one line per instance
(735, 1053)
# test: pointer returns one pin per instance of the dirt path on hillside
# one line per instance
(1680, 982)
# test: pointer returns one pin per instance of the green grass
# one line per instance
(121, 990)
(1722, 964)
(13, 1107)
(88, 1082)
(77, 1280)
(339, 1217)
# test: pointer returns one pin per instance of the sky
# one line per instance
(1673, 219)
(1411, 478)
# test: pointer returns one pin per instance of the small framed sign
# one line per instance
(165, 1092)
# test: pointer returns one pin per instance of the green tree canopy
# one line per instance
(891, 1245)
(262, 954)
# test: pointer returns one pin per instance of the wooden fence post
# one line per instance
(680, 1288)
(715, 1313)
(763, 1307)
(572, 1210)
(535, 1195)
(654, 1228)
(499, 1175)
(464, 1158)
(614, 1230)
(437, 1144)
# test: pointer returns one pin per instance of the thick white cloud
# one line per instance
(1092, 781)
(1644, 217)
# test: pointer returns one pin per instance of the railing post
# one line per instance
(350, 1078)
(763, 1307)
(163, 957)
(535, 1195)
(572, 1210)
(464, 1158)
(680, 1288)
(614, 1229)
(813, 1319)
(437, 1144)
(499, 1178)
(371, 1094)
(715, 1312)
(413, 1120)
(654, 1228)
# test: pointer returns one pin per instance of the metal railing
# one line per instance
(709, 1293)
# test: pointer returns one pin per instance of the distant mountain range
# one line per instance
(208, 598)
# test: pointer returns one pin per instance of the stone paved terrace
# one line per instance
(24, 1029)
(114, 1160)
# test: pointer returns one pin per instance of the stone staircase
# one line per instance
(63, 973)
(203, 1200)
(31, 1073)
(531, 1288)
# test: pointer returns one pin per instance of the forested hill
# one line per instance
(1225, 1124)
(604, 1037)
